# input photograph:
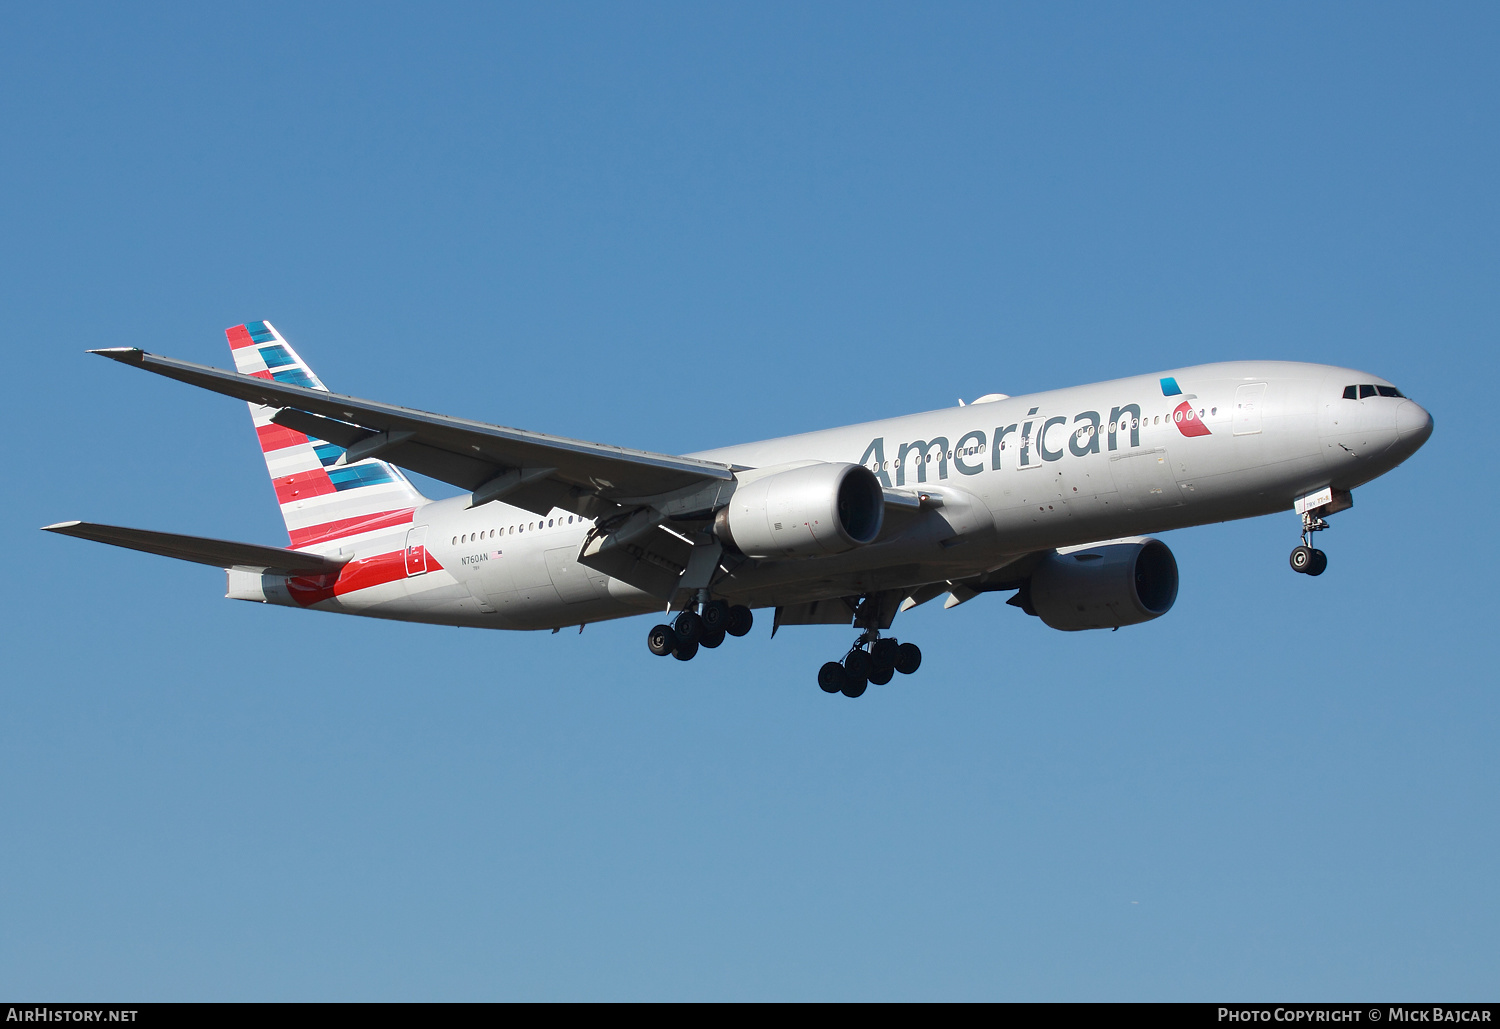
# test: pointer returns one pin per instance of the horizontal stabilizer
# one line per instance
(219, 553)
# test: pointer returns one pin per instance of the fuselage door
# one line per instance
(1248, 401)
(416, 550)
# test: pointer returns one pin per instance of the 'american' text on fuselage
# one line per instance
(1085, 438)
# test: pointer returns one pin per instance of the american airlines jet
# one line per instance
(1046, 496)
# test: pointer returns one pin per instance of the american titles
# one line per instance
(1029, 443)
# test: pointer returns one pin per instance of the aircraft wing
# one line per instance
(529, 469)
(219, 553)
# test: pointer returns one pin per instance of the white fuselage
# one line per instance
(1003, 477)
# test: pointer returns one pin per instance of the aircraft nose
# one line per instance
(1413, 424)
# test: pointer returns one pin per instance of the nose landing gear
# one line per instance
(1306, 558)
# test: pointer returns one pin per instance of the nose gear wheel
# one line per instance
(1306, 558)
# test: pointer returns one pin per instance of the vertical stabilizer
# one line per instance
(321, 504)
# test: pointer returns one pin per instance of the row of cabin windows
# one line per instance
(475, 537)
(1361, 392)
(1082, 433)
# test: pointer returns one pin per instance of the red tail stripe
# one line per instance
(238, 337)
(302, 485)
(375, 571)
(356, 575)
(262, 374)
(278, 437)
(349, 527)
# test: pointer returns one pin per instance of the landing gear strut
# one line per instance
(860, 667)
(703, 628)
(1306, 558)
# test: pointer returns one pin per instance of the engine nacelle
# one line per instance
(1106, 586)
(808, 511)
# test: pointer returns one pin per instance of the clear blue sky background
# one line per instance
(677, 227)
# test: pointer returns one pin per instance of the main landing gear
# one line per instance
(1307, 559)
(706, 627)
(860, 667)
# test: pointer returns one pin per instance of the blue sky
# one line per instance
(679, 227)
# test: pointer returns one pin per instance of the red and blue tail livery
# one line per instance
(323, 500)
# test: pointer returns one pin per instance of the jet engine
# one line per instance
(1104, 586)
(806, 511)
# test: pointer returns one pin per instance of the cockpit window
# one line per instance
(1364, 390)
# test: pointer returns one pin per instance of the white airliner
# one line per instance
(846, 526)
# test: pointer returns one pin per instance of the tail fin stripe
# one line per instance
(342, 527)
(275, 437)
(275, 356)
(292, 377)
(239, 338)
(302, 486)
(358, 475)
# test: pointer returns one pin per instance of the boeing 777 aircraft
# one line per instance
(1045, 496)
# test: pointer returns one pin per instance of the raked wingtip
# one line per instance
(130, 354)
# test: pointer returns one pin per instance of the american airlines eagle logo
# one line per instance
(1188, 421)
